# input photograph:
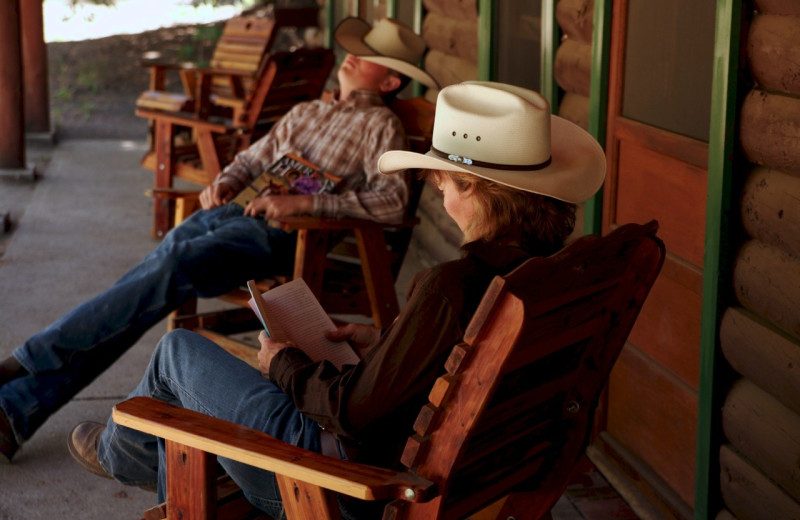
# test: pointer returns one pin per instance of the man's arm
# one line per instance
(382, 198)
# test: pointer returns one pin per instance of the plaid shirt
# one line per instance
(345, 137)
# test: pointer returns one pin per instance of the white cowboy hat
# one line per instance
(390, 43)
(506, 134)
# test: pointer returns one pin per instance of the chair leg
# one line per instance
(191, 483)
(303, 501)
(174, 320)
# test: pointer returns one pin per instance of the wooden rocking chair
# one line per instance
(505, 425)
(240, 53)
(286, 79)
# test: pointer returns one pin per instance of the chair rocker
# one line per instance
(505, 425)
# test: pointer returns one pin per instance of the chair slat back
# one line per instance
(247, 40)
(514, 410)
(289, 78)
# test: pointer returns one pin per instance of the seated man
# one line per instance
(219, 248)
(513, 199)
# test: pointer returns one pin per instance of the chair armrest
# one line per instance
(172, 193)
(167, 65)
(257, 449)
(184, 119)
(334, 224)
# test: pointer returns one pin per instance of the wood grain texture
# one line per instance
(773, 54)
(767, 282)
(655, 417)
(769, 130)
(765, 432)
(765, 355)
(749, 494)
(771, 208)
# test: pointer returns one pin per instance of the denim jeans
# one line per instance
(191, 371)
(209, 254)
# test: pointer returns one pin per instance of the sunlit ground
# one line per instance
(87, 21)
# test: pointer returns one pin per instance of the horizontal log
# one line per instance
(575, 108)
(747, 493)
(449, 70)
(773, 53)
(458, 9)
(770, 209)
(576, 19)
(785, 7)
(767, 281)
(573, 66)
(762, 354)
(765, 432)
(770, 130)
(454, 37)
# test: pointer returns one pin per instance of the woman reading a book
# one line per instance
(510, 174)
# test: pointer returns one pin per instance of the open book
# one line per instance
(291, 312)
(291, 174)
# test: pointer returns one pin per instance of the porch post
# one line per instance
(34, 58)
(12, 145)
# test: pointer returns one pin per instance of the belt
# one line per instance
(329, 445)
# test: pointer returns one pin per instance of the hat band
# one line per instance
(473, 162)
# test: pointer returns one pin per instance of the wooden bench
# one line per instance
(506, 424)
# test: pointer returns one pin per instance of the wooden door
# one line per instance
(657, 133)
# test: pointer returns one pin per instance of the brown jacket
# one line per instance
(371, 406)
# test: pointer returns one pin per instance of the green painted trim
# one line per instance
(551, 36)
(329, 23)
(419, 15)
(485, 40)
(598, 102)
(391, 8)
(716, 266)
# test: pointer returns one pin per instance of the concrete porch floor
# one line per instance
(73, 233)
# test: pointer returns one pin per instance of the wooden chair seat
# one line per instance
(506, 423)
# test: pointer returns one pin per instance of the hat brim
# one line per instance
(575, 173)
(349, 34)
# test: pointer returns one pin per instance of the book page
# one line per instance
(294, 314)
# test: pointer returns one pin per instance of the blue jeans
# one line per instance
(209, 254)
(191, 371)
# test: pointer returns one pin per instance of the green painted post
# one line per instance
(391, 8)
(716, 264)
(551, 36)
(419, 88)
(329, 23)
(598, 103)
(485, 40)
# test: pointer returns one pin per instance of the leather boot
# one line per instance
(82, 444)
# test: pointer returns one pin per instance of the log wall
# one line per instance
(450, 29)
(760, 335)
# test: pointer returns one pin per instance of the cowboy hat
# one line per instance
(390, 43)
(506, 134)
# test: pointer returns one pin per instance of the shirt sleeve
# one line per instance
(382, 198)
(408, 357)
(250, 163)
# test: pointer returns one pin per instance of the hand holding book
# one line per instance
(290, 312)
